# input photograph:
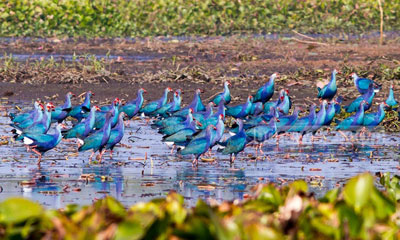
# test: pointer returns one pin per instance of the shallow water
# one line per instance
(70, 58)
(324, 164)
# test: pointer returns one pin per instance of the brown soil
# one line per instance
(246, 62)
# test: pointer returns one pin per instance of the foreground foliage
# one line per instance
(188, 17)
(358, 211)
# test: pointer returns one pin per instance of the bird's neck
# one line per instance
(86, 103)
(67, 103)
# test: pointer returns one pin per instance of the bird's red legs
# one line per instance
(39, 154)
(260, 147)
(300, 141)
(195, 162)
(344, 135)
(91, 157)
(111, 153)
(147, 121)
(173, 148)
(101, 155)
(232, 159)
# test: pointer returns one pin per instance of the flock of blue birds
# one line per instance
(195, 128)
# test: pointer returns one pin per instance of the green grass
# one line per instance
(110, 18)
(357, 211)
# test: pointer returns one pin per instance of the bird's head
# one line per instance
(70, 94)
(143, 90)
(50, 106)
(335, 71)
(91, 93)
(250, 98)
(168, 89)
(198, 91)
(62, 126)
(275, 75)
(353, 75)
(221, 116)
(385, 104)
(191, 110)
(228, 83)
(282, 97)
(117, 101)
(197, 122)
(97, 108)
(178, 92)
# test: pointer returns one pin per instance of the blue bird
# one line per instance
(32, 114)
(256, 109)
(329, 91)
(82, 129)
(283, 104)
(352, 123)
(153, 106)
(242, 110)
(181, 136)
(198, 146)
(265, 93)
(196, 105)
(367, 97)
(262, 133)
(236, 143)
(36, 117)
(39, 127)
(132, 107)
(171, 129)
(216, 134)
(171, 107)
(371, 120)
(101, 116)
(79, 112)
(302, 125)
(338, 102)
(319, 120)
(286, 122)
(41, 143)
(60, 113)
(362, 84)
(98, 140)
(116, 135)
(391, 101)
(225, 95)
(330, 112)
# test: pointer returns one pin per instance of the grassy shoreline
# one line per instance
(139, 18)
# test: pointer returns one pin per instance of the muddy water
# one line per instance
(324, 164)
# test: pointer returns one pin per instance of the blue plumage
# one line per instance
(265, 93)
(329, 90)
(225, 95)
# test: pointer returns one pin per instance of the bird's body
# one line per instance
(236, 143)
(196, 105)
(60, 113)
(362, 84)
(41, 143)
(80, 112)
(32, 115)
(38, 127)
(372, 120)
(180, 137)
(100, 118)
(151, 107)
(286, 122)
(242, 110)
(367, 97)
(117, 133)
(329, 91)
(304, 124)
(262, 132)
(353, 122)
(171, 129)
(132, 107)
(225, 95)
(391, 101)
(171, 107)
(265, 93)
(320, 117)
(82, 129)
(97, 140)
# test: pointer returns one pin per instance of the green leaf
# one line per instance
(15, 210)
(358, 190)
